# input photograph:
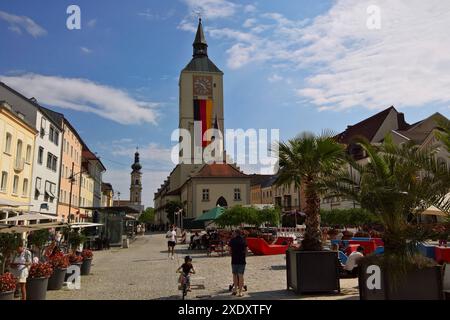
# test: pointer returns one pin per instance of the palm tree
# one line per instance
(397, 183)
(444, 133)
(305, 161)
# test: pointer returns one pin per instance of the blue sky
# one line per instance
(293, 65)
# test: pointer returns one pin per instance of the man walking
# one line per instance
(238, 247)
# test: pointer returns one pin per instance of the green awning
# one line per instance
(212, 214)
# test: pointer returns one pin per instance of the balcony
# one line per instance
(19, 164)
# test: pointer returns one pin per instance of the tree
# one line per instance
(239, 215)
(148, 216)
(396, 184)
(8, 244)
(171, 208)
(444, 133)
(39, 239)
(305, 161)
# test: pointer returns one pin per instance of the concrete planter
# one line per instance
(56, 281)
(86, 267)
(312, 271)
(9, 295)
(420, 284)
(37, 288)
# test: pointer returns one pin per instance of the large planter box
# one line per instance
(56, 281)
(37, 288)
(420, 284)
(86, 267)
(312, 271)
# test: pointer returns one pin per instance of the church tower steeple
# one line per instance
(136, 181)
(200, 45)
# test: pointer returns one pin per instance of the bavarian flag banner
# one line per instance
(203, 111)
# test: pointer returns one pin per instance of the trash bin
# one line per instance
(126, 243)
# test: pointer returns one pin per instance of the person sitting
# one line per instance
(195, 241)
(351, 266)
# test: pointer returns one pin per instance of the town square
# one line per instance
(224, 150)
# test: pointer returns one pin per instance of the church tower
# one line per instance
(201, 97)
(136, 181)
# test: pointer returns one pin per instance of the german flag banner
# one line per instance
(203, 111)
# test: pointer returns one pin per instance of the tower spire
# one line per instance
(200, 45)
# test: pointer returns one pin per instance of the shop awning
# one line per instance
(80, 225)
(30, 217)
(212, 214)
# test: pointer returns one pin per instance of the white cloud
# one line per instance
(17, 23)
(212, 9)
(85, 96)
(85, 50)
(274, 78)
(346, 65)
(151, 152)
(250, 8)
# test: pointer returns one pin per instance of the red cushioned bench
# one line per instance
(260, 247)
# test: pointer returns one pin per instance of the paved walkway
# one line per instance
(144, 271)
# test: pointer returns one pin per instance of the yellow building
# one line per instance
(17, 139)
(86, 195)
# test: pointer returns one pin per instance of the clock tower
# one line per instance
(201, 97)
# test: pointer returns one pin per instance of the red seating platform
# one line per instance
(260, 247)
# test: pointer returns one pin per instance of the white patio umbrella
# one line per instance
(80, 225)
(16, 229)
(29, 217)
(433, 211)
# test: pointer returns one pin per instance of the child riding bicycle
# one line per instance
(186, 269)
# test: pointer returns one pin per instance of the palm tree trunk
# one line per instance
(313, 236)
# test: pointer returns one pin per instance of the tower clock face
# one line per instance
(203, 86)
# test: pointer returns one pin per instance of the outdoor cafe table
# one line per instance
(442, 254)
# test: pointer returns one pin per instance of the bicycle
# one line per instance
(184, 285)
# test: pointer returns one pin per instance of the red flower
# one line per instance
(73, 258)
(7, 282)
(59, 261)
(87, 254)
(41, 270)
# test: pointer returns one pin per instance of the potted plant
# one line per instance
(39, 239)
(37, 281)
(397, 184)
(304, 161)
(8, 244)
(7, 286)
(60, 263)
(87, 261)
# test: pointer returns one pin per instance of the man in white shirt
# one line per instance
(171, 241)
(351, 266)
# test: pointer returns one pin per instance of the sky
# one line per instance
(297, 65)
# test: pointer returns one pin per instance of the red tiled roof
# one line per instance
(222, 170)
(370, 126)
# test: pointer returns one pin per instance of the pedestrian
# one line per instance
(171, 242)
(20, 266)
(238, 247)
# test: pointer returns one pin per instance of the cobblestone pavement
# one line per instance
(144, 271)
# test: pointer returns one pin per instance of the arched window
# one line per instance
(222, 202)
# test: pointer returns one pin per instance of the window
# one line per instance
(25, 187)
(19, 149)
(56, 137)
(205, 195)
(51, 134)
(15, 184)
(8, 142)
(28, 154)
(71, 151)
(49, 160)
(4, 182)
(52, 162)
(237, 194)
(40, 155)
(43, 126)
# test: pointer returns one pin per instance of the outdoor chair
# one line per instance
(342, 257)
